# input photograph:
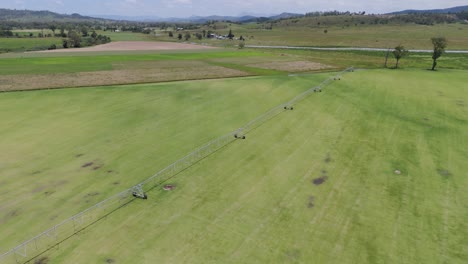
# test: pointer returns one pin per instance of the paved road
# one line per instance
(346, 49)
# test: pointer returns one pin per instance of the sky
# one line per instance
(185, 8)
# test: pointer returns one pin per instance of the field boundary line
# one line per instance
(31, 248)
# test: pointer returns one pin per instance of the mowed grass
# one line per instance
(52, 64)
(124, 133)
(313, 185)
(27, 44)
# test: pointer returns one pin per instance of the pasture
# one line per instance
(371, 170)
(307, 33)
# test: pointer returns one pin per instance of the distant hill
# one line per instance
(456, 9)
(48, 16)
(42, 16)
(201, 19)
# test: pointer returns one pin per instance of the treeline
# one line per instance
(78, 39)
(362, 18)
(334, 13)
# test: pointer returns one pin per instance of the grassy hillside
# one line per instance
(317, 184)
(28, 16)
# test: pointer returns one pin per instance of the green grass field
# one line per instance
(310, 34)
(313, 185)
(27, 44)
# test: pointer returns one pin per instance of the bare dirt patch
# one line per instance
(92, 194)
(42, 260)
(88, 164)
(319, 180)
(134, 46)
(168, 187)
(291, 66)
(444, 173)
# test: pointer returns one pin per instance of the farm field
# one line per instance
(50, 70)
(371, 170)
(27, 44)
(310, 34)
(44, 70)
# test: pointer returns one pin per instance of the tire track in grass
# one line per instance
(445, 215)
(274, 214)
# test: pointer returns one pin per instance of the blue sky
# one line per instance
(183, 8)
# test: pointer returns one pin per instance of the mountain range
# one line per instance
(47, 16)
(452, 10)
(200, 19)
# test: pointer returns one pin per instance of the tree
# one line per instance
(53, 28)
(399, 52)
(62, 32)
(75, 39)
(241, 44)
(187, 36)
(439, 44)
(171, 35)
(199, 36)
(179, 36)
(84, 31)
(230, 35)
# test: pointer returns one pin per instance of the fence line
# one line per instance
(68, 227)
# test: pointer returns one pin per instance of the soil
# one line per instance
(133, 46)
(168, 187)
(91, 194)
(109, 260)
(42, 260)
(444, 173)
(320, 180)
(87, 164)
(291, 66)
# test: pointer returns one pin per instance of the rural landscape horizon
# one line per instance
(195, 131)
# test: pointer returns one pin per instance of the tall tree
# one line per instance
(53, 28)
(399, 52)
(230, 35)
(75, 39)
(439, 44)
